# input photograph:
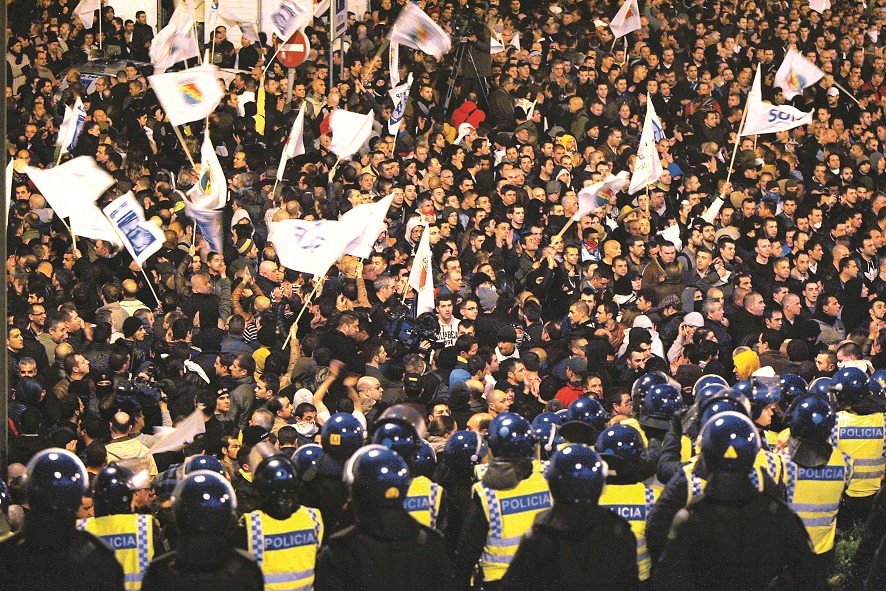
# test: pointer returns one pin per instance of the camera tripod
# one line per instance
(458, 61)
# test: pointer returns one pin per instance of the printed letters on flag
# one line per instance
(72, 125)
(309, 247)
(647, 168)
(140, 237)
(291, 16)
(764, 117)
(400, 96)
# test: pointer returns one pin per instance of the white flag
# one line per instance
(627, 19)
(496, 44)
(185, 433)
(72, 125)
(400, 96)
(295, 145)
(291, 16)
(394, 63)
(176, 41)
(527, 105)
(309, 247)
(417, 30)
(820, 5)
(86, 11)
(189, 95)
(648, 167)
(87, 220)
(515, 41)
(421, 276)
(211, 190)
(599, 194)
(321, 8)
(368, 220)
(764, 117)
(796, 73)
(205, 201)
(140, 237)
(349, 132)
(247, 29)
(57, 184)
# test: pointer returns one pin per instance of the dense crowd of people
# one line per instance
(717, 337)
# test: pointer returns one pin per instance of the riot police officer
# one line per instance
(386, 548)
(735, 537)
(400, 428)
(462, 453)
(817, 475)
(50, 552)
(861, 434)
(631, 489)
(132, 537)
(576, 545)
(283, 536)
(323, 488)
(205, 559)
(505, 503)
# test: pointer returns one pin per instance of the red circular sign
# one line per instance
(294, 51)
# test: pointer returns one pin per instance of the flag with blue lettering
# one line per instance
(647, 168)
(764, 117)
(72, 125)
(310, 247)
(400, 96)
(290, 16)
(140, 237)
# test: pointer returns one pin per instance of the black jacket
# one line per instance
(734, 538)
(572, 548)
(386, 550)
(49, 553)
(204, 563)
(324, 489)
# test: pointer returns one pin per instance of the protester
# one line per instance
(467, 212)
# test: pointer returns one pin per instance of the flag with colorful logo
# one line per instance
(600, 194)
(400, 96)
(207, 198)
(417, 30)
(189, 95)
(764, 117)
(176, 42)
(72, 125)
(421, 276)
(626, 20)
(796, 73)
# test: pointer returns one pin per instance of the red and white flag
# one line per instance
(626, 20)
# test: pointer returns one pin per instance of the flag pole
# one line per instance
(849, 94)
(744, 115)
(181, 139)
(565, 227)
(305, 306)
